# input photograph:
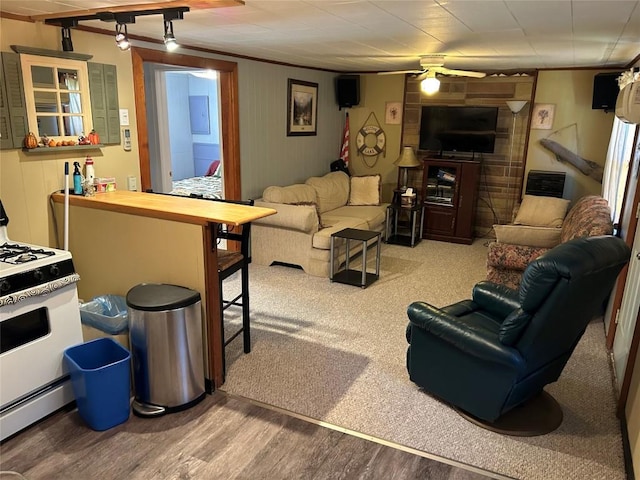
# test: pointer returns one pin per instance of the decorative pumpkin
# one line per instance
(30, 140)
(94, 138)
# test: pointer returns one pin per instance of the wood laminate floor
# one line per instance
(223, 437)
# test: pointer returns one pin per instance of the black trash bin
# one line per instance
(165, 333)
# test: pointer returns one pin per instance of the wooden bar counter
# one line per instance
(120, 239)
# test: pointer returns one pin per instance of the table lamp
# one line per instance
(405, 161)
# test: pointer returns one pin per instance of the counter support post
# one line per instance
(213, 322)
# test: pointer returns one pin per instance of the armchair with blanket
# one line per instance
(498, 350)
(540, 225)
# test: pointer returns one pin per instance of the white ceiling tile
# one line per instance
(480, 19)
(347, 35)
(536, 17)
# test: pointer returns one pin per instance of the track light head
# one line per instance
(122, 37)
(170, 42)
(67, 44)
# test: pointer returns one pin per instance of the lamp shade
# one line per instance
(407, 158)
(516, 105)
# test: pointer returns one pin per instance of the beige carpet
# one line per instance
(336, 353)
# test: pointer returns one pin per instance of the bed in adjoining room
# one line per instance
(207, 185)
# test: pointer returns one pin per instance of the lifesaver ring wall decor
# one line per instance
(371, 141)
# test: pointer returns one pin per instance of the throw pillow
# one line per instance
(538, 211)
(547, 237)
(213, 168)
(291, 194)
(365, 190)
(331, 190)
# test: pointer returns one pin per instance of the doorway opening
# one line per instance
(184, 149)
(153, 132)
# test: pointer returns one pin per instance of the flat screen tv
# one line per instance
(458, 129)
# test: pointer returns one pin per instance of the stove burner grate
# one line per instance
(16, 253)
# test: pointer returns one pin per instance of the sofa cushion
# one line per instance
(322, 238)
(512, 257)
(332, 190)
(302, 218)
(373, 215)
(365, 190)
(526, 235)
(539, 211)
(297, 194)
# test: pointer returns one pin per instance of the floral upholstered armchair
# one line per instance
(519, 244)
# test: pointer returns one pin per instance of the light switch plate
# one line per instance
(132, 183)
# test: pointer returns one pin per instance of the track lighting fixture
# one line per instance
(431, 84)
(67, 45)
(170, 42)
(66, 24)
(121, 20)
(122, 37)
(169, 38)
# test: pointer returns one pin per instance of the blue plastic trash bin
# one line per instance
(100, 377)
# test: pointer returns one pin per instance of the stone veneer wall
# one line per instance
(497, 190)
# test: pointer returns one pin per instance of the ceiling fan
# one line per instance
(430, 65)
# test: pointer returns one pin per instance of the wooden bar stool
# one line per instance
(230, 262)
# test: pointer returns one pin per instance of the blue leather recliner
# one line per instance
(494, 352)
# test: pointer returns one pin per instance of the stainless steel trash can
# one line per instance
(165, 334)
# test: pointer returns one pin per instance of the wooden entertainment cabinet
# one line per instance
(449, 195)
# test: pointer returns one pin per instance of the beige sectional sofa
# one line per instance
(300, 233)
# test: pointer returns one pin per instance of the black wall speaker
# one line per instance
(605, 91)
(348, 90)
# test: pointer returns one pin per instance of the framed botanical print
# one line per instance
(393, 113)
(542, 117)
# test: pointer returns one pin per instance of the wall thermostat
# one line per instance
(126, 141)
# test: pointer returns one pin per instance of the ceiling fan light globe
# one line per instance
(430, 85)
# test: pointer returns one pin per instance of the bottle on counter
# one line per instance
(89, 172)
(77, 179)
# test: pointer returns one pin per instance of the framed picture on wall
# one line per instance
(393, 113)
(302, 108)
(542, 117)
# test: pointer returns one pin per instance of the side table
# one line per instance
(402, 226)
(354, 277)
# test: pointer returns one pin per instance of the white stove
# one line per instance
(39, 319)
(17, 258)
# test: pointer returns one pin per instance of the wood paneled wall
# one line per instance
(500, 183)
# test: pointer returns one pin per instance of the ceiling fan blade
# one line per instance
(460, 73)
(395, 72)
